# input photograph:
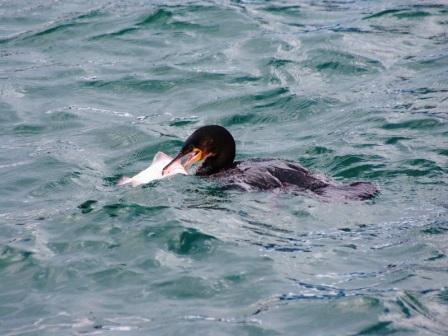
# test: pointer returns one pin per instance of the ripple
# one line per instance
(443, 296)
(318, 150)
(380, 328)
(289, 107)
(10, 256)
(436, 230)
(67, 26)
(160, 16)
(57, 185)
(180, 122)
(396, 139)
(62, 120)
(386, 12)
(426, 123)
(161, 19)
(351, 166)
(414, 12)
(412, 15)
(114, 276)
(87, 206)
(192, 242)
(63, 27)
(288, 10)
(335, 62)
(120, 137)
(188, 287)
(131, 210)
(131, 84)
(29, 129)
(7, 114)
(139, 85)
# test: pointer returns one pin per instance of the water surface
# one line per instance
(89, 91)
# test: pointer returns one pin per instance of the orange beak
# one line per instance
(192, 157)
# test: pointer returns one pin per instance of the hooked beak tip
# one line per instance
(164, 170)
(177, 158)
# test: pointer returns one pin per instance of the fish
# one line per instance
(154, 171)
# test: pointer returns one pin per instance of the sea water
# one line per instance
(92, 90)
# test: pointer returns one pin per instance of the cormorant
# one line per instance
(215, 146)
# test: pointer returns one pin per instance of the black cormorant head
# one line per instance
(213, 144)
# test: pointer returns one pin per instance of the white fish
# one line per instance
(154, 171)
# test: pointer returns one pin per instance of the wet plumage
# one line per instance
(215, 146)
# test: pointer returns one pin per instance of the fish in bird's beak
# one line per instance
(191, 156)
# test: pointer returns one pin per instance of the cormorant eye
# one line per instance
(187, 149)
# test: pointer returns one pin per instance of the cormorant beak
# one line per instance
(192, 156)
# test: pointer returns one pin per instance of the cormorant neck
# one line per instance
(213, 165)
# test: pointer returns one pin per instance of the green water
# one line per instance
(90, 91)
